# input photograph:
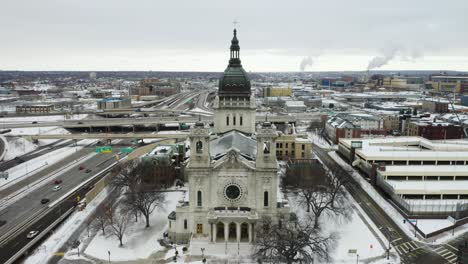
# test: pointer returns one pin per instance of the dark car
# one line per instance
(88, 171)
(80, 123)
(34, 122)
(44, 201)
(2, 222)
(82, 167)
(57, 181)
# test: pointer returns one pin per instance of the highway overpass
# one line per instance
(151, 121)
(107, 136)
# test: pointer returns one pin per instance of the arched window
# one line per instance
(266, 147)
(234, 120)
(199, 198)
(227, 120)
(199, 147)
(265, 198)
(240, 120)
(185, 223)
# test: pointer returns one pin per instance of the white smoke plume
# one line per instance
(306, 62)
(389, 54)
(379, 61)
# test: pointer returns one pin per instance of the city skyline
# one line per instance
(160, 36)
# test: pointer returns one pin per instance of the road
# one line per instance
(19, 212)
(410, 251)
(5, 165)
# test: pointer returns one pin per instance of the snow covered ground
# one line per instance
(139, 242)
(353, 233)
(62, 234)
(201, 111)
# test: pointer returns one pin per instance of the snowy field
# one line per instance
(139, 242)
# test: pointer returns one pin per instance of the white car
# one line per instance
(32, 234)
(57, 187)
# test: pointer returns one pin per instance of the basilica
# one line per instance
(232, 170)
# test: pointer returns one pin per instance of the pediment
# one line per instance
(233, 160)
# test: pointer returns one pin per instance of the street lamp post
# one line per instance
(108, 252)
(203, 255)
(357, 258)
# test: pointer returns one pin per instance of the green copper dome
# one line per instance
(235, 81)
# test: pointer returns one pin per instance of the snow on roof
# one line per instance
(426, 170)
(429, 187)
(409, 148)
(295, 104)
(234, 139)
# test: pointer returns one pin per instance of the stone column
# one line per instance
(250, 233)
(253, 232)
(226, 232)
(238, 232)
(215, 232)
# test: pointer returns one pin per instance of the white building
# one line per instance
(415, 170)
(232, 173)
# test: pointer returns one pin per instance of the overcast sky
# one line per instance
(176, 35)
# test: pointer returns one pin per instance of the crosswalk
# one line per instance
(406, 247)
(446, 254)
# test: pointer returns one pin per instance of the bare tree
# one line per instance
(118, 223)
(320, 190)
(291, 241)
(144, 202)
(101, 218)
(138, 196)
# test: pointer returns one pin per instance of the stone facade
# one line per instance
(233, 172)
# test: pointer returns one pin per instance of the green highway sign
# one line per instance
(127, 150)
(104, 149)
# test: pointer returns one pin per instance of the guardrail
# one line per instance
(26, 223)
(5, 238)
(38, 237)
(8, 200)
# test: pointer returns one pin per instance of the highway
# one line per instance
(18, 214)
(5, 165)
(410, 251)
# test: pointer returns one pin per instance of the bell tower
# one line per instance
(266, 146)
(234, 105)
(199, 146)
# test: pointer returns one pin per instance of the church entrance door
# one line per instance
(232, 232)
(220, 232)
(244, 232)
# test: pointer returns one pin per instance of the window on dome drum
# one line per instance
(265, 198)
(240, 120)
(234, 120)
(199, 198)
(266, 147)
(227, 120)
(199, 147)
(185, 223)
